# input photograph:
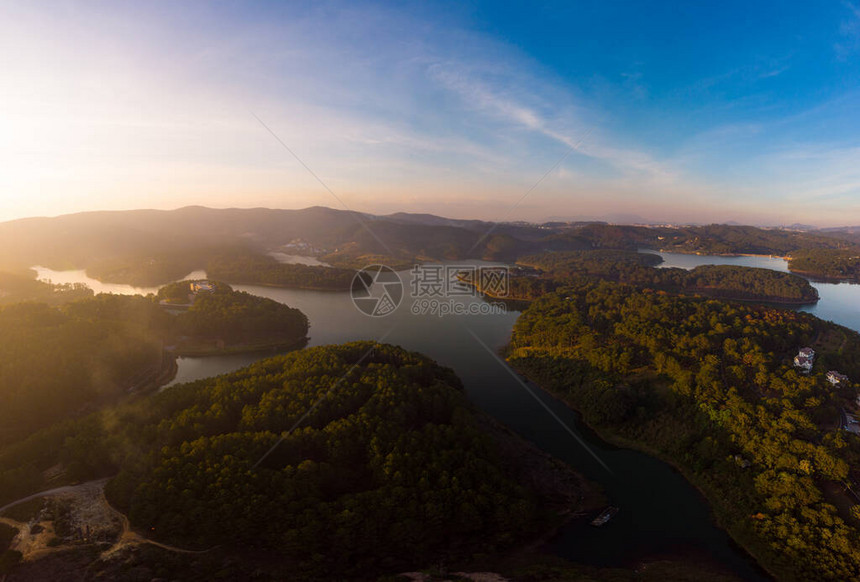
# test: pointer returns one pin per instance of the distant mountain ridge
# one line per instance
(78, 240)
(177, 241)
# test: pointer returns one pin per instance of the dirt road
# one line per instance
(56, 491)
(92, 512)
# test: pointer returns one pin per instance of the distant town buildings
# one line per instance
(304, 248)
(804, 359)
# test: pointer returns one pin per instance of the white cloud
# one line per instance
(568, 127)
(388, 108)
(849, 30)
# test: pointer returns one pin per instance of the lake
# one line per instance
(839, 302)
(80, 276)
(297, 259)
(662, 515)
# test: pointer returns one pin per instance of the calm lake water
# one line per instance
(661, 514)
(297, 259)
(839, 302)
(62, 277)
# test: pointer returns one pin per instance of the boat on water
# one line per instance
(604, 516)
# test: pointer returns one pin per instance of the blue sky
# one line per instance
(658, 111)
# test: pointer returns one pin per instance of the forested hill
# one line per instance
(223, 318)
(838, 264)
(21, 286)
(710, 385)
(62, 361)
(390, 468)
(56, 362)
(714, 239)
(745, 283)
(831, 254)
(724, 281)
(153, 247)
(150, 247)
(246, 267)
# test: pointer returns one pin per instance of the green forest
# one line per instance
(149, 247)
(552, 270)
(712, 239)
(390, 468)
(723, 239)
(147, 270)
(64, 360)
(58, 361)
(233, 317)
(709, 385)
(256, 269)
(22, 286)
(827, 263)
(239, 265)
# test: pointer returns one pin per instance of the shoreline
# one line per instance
(619, 441)
(786, 258)
(295, 287)
(272, 285)
(695, 293)
(767, 300)
(245, 348)
(817, 278)
(811, 275)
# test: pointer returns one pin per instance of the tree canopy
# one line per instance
(827, 263)
(724, 281)
(711, 385)
(62, 361)
(257, 269)
(376, 462)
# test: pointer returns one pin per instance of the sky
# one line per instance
(656, 112)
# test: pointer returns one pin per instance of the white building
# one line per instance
(835, 377)
(205, 286)
(803, 362)
(804, 359)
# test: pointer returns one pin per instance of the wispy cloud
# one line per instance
(408, 108)
(849, 30)
(566, 126)
(819, 173)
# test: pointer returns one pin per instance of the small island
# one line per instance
(545, 272)
(212, 318)
(252, 268)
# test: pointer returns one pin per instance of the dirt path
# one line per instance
(91, 512)
(56, 491)
(129, 537)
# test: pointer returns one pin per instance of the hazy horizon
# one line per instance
(733, 113)
(620, 218)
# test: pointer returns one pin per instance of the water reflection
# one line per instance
(80, 276)
(838, 302)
